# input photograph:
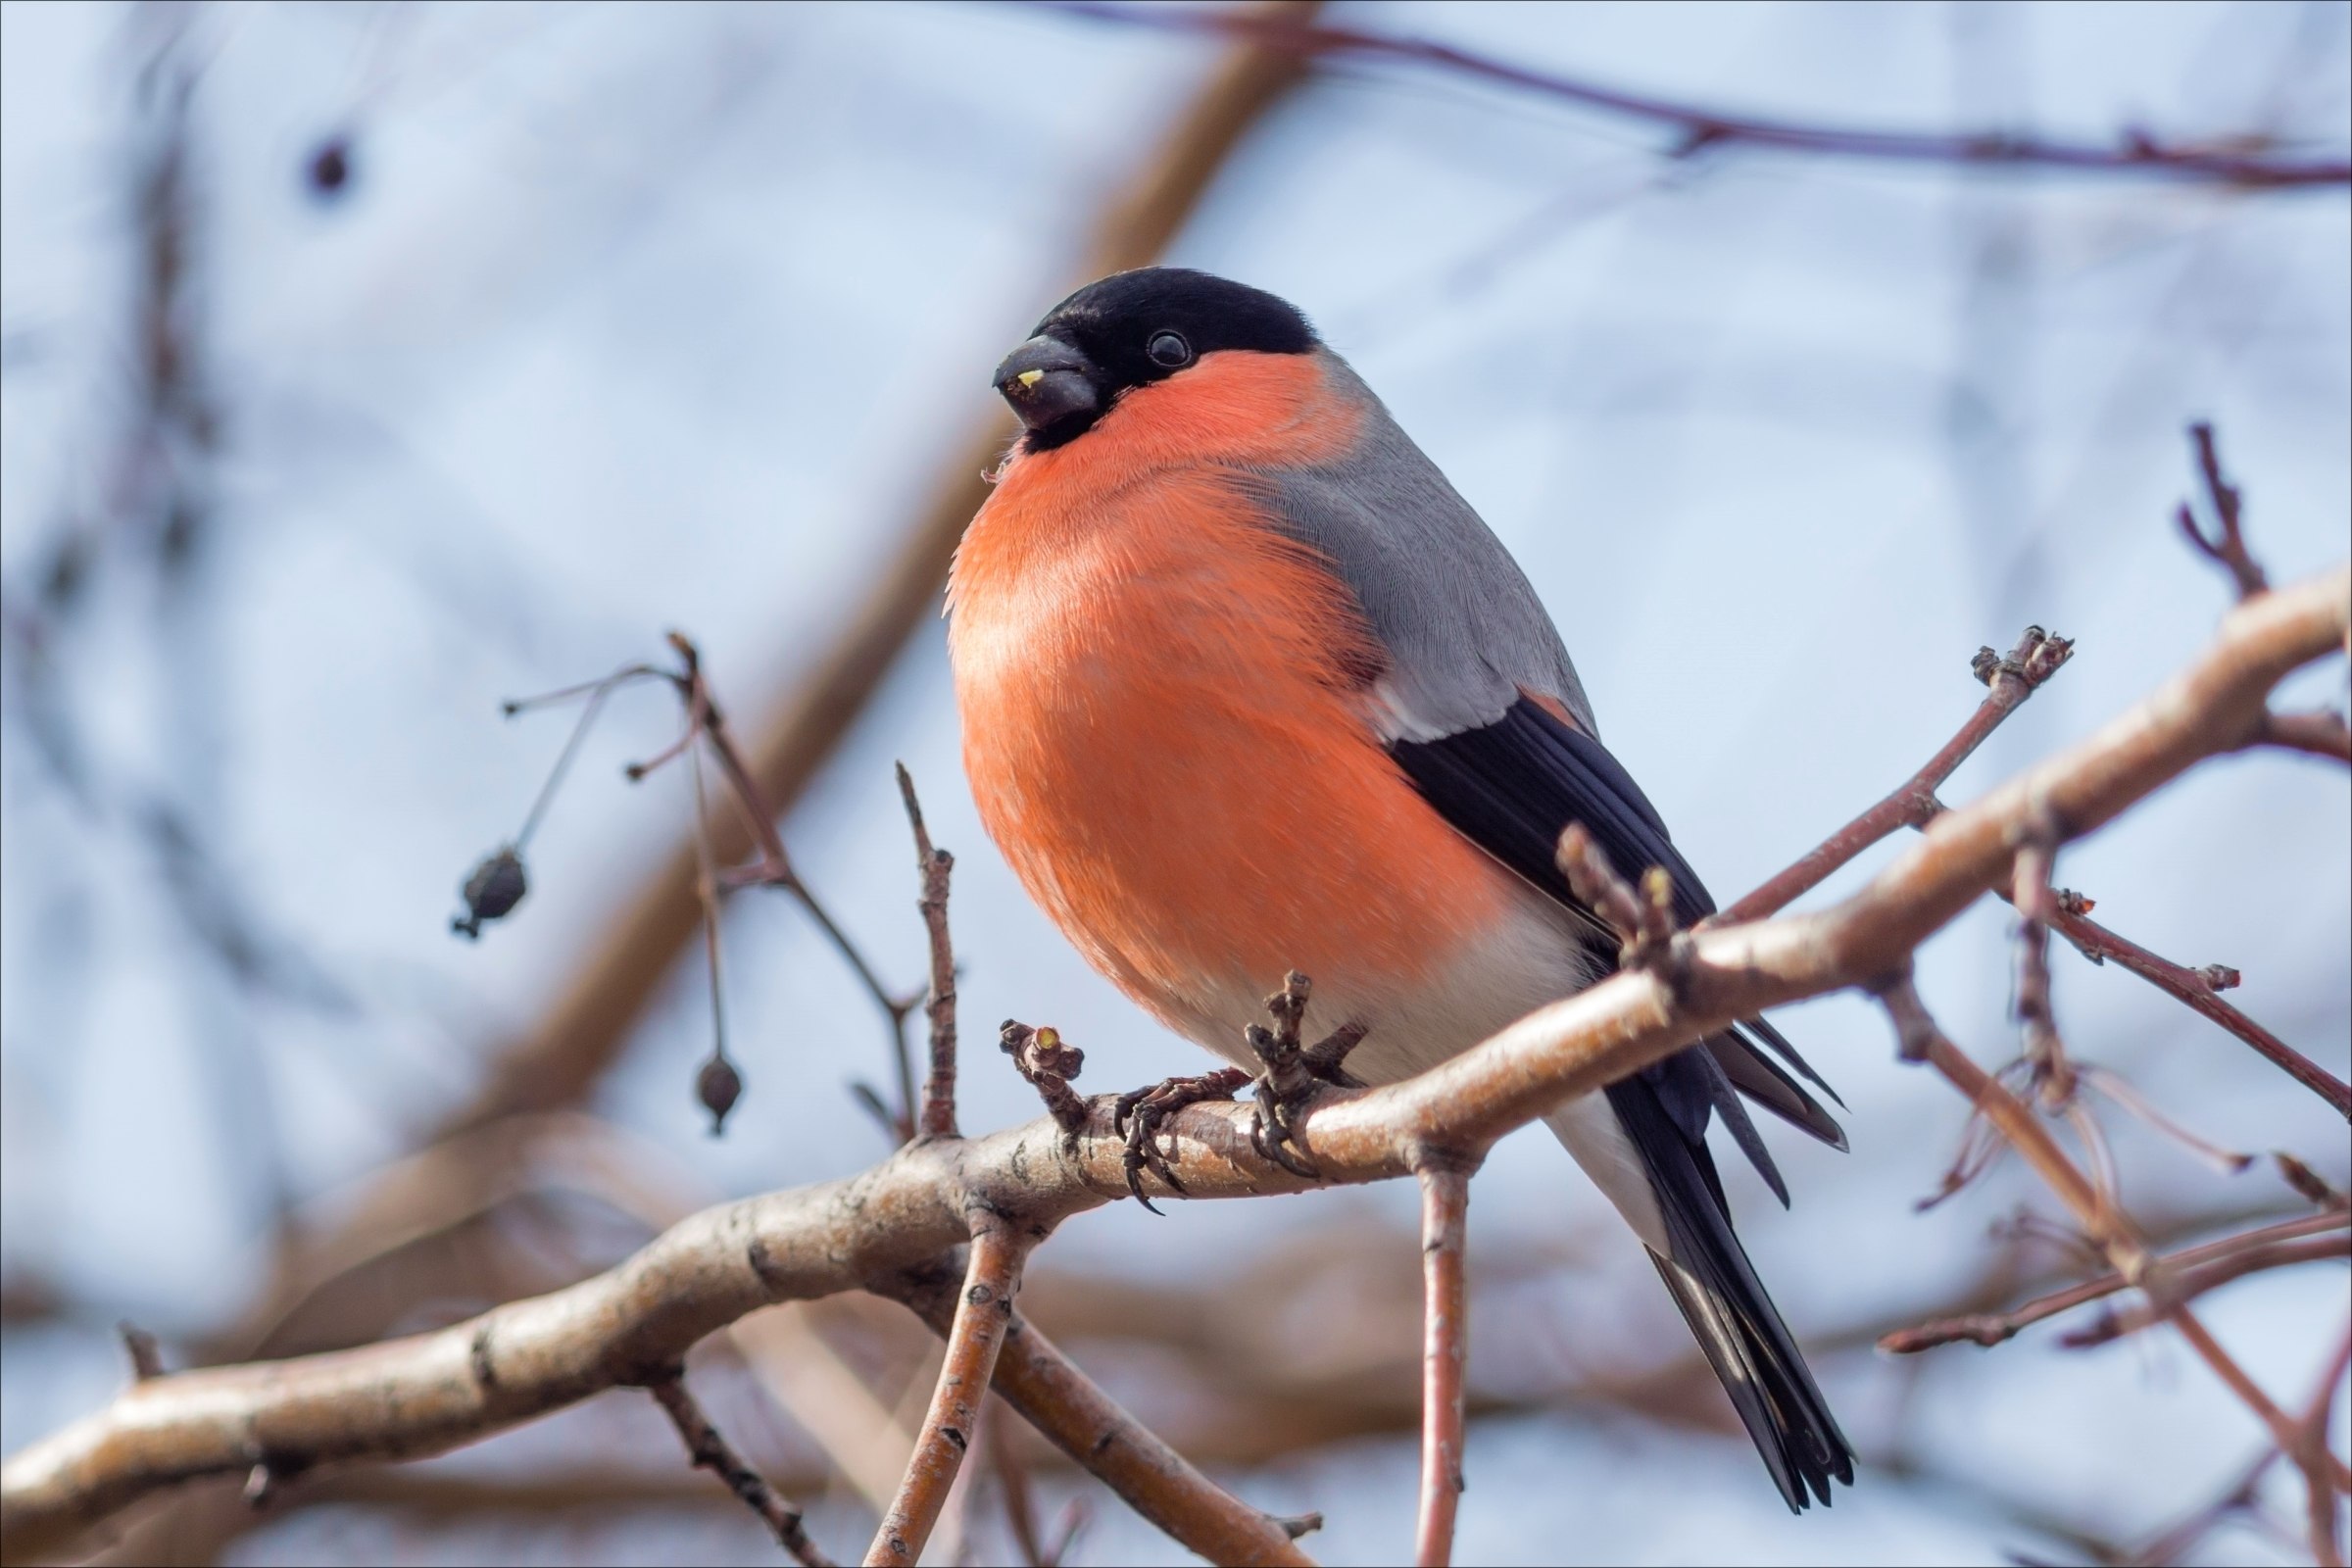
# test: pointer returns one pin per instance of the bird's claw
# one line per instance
(1139, 1113)
(1294, 1074)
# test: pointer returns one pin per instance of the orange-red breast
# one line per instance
(1247, 687)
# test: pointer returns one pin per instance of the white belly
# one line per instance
(1529, 961)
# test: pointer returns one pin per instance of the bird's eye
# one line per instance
(1170, 349)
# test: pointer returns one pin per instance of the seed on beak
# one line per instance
(1030, 379)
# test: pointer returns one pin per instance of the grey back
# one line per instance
(1463, 629)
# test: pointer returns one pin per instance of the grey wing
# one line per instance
(1466, 640)
(1464, 631)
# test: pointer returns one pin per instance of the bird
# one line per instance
(1247, 687)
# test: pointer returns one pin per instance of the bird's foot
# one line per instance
(1139, 1113)
(1294, 1074)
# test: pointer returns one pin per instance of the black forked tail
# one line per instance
(1724, 1304)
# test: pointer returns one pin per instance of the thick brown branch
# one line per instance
(709, 1451)
(1077, 1417)
(983, 1318)
(1444, 1345)
(433, 1391)
(2035, 660)
(1701, 128)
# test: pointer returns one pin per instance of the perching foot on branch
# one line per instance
(1140, 1111)
(1294, 1074)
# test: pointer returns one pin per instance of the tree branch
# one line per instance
(710, 1451)
(2322, 1491)
(433, 1391)
(2322, 732)
(1699, 127)
(983, 1318)
(1444, 1346)
(1995, 1328)
(2198, 990)
(2188, 1284)
(2036, 657)
(1070, 1412)
(2107, 1226)
(2226, 547)
(939, 1089)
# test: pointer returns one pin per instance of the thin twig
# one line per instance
(1995, 1328)
(2037, 901)
(1046, 1063)
(2322, 732)
(983, 1315)
(2119, 1090)
(2171, 1544)
(571, 748)
(939, 1089)
(1699, 127)
(719, 1083)
(2098, 1217)
(2295, 1440)
(1596, 884)
(2188, 1284)
(2197, 990)
(1444, 1346)
(2323, 1489)
(146, 1356)
(600, 686)
(709, 1451)
(2036, 657)
(2226, 547)
(1013, 1479)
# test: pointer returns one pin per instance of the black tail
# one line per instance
(1724, 1304)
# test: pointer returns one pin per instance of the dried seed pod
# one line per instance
(496, 886)
(718, 1086)
(329, 169)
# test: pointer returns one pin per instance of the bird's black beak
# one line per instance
(1047, 381)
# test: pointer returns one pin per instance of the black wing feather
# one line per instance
(1736, 1324)
(1512, 787)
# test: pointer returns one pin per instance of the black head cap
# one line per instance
(1130, 329)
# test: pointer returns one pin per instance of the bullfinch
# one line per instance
(1247, 687)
